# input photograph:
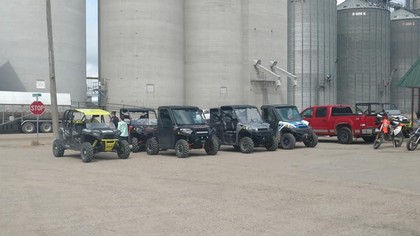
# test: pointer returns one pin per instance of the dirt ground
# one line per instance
(332, 189)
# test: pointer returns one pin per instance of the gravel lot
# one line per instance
(332, 189)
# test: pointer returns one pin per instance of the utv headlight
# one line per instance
(186, 130)
(249, 128)
(117, 133)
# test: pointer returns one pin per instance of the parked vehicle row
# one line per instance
(182, 128)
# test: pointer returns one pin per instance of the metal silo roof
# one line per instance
(411, 79)
(402, 14)
(356, 4)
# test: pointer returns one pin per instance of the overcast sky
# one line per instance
(92, 36)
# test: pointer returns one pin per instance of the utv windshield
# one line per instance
(97, 126)
(289, 114)
(188, 117)
(143, 118)
(247, 115)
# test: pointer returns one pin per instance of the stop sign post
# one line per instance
(37, 108)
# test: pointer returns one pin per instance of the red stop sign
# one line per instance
(37, 108)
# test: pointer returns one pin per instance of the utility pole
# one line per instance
(53, 87)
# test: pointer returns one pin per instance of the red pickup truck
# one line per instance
(339, 120)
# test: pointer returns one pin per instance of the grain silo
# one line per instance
(24, 63)
(413, 5)
(213, 52)
(312, 52)
(141, 52)
(265, 39)
(405, 49)
(363, 42)
(222, 40)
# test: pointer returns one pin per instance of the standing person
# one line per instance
(114, 119)
(123, 128)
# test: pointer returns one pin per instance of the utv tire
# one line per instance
(287, 141)
(344, 135)
(369, 139)
(181, 148)
(212, 146)
(123, 149)
(272, 144)
(152, 146)
(312, 141)
(58, 148)
(246, 145)
(135, 144)
(412, 143)
(86, 152)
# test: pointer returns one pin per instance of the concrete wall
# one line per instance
(193, 52)
(24, 46)
(141, 52)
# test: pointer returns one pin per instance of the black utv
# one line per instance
(242, 127)
(141, 127)
(290, 127)
(182, 128)
(85, 130)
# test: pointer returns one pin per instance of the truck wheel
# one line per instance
(312, 141)
(152, 146)
(86, 152)
(368, 139)
(272, 144)
(58, 148)
(412, 143)
(135, 144)
(46, 127)
(123, 149)
(28, 127)
(344, 136)
(287, 141)
(181, 148)
(212, 146)
(246, 145)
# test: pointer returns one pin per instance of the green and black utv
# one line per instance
(85, 130)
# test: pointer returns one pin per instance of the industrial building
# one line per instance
(216, 52)
(205, 53)
(24, 63)
(405, 49)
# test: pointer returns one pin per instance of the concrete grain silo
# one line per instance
(312, 52)
(24, 65)
(363, 42)
(265, 39)
(141, 52)
(405, 49)
(213, 52)
(222, 40)
(413, 5)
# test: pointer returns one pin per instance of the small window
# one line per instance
(321, 112)
(165, 118)
(336, 111)
(308, 113)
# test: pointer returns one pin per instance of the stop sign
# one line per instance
(37, 108)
